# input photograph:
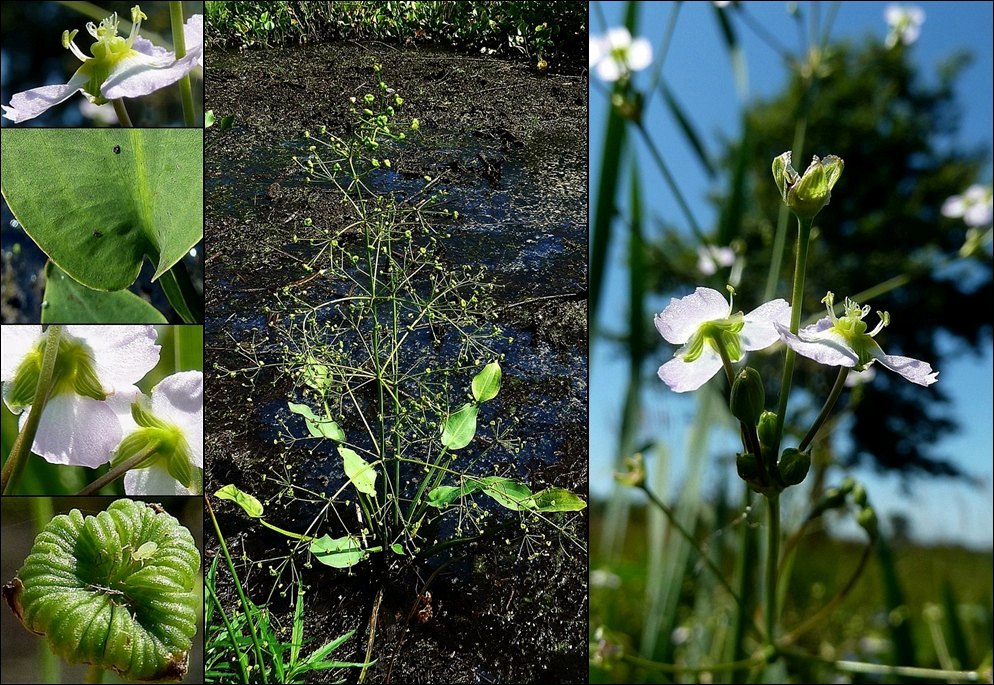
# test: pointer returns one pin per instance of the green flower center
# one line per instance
(718, 334)
(853, 329)
(108, 50)
(167, 441)
(74, 372)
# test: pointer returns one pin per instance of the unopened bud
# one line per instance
(807, 194)
(748, 467)
(767, 429)
(748, 396)
(794, 466)
(634, 473)
(867, 519)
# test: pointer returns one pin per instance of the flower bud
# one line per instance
(748, 467)
(867, 519)
(767, 429)
(748, 396)
(807, 194)
(634, 473)
(859, 495)
(794, 466)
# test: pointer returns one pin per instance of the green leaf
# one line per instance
(318, 426)
(557, 499)
(459, 429)
(397, 548)
(208, 118)
(249, 504)
(508, 493)
(486, 384)
(66, 301)
(98, 201)
(338, 552)
(227, 122)
(360, 472)
(444, 495)
(316, 375)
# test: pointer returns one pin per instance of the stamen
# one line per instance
(829, 301)
(68, 44)
(884, 321)
(91, 28)
(136, 21)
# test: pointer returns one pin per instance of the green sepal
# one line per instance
(21, 390)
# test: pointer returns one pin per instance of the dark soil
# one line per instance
(498, 615)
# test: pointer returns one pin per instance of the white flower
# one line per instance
(94, 363)
(615, 55)
(119, 67)
(174, 418)
(905, 24)
(703, 321)
(711, 258)
(975, 206)
(835, 341)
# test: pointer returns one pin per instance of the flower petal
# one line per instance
(683, 317)
(31, 103)
(141, 74)
(153, 480)
(911, 369)
(122, 355)
(179, 399)
(193, 32)
(758, 331)
(639, 54)
(608, 69)
(820, 343)
(76, 430)
(17, 342)
(684, 376)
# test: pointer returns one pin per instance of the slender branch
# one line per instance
(772, 566)
(25, 439)
(751, 662)
(122, 113)
(671, 183)
(884, 669)
(116, 472)
(840, 383)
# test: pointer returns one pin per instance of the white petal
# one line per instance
(153, 480)
(122, 355)
(608, 69)
(76, 430)
(639, 54)
(193, 32)
(120, 403)
(141, 74)
(17, 342)
(179, 399)
(953, 207)
(683, 317)
(818, 342)
(618, 37)
(913, 370)
(978, 215)
(597, 49)
(684, 376)
(31, 103)
(893, 14)
(758, 331)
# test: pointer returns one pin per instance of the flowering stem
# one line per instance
(772, 565)
(122, 113)
(833, 397)
(750, 438)
(22, 444)
(181, 293)
(796, 299)
(179, 47)
(117, 471)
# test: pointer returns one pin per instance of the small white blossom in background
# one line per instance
(711, 258)
(843, 341)
(600, 577)
(975, 206)
(703, 321)
(905, 24)
(615, 55)
(721, 4)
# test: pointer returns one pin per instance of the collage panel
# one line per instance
(397, 327)
(101, 313)
(791, 373)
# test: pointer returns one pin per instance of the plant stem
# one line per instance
(840, 383)
(116, 472)
(247, 606)
(796, 301)
(751, 662)
(883, 669)
(122, 113)
(94, 674)
(179, 47)
(772, 566)
(181, 293)
(25, 439)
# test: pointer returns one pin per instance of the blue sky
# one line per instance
(939, 510)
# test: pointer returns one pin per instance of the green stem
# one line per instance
(705, 557)
(122, 113)
(672, 184)
(751, 662)
(796, 302)
(116, 472)
(750, 437)
(179, 48)
(840, 383)
(772, 566)
(94, 674)
(181, 293)
(247, 606)
(883, 669)
(25, 439)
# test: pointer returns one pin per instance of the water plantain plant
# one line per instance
(397, 366)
